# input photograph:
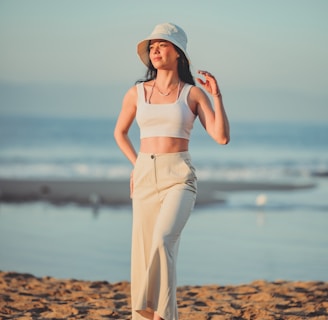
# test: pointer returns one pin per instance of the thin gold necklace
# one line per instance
(152, 90)
(165, 94)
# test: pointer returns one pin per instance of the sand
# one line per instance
(24, 296)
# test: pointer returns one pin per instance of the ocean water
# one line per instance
(64, 148)
(267, 234)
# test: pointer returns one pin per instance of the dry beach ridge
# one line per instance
(25, 297)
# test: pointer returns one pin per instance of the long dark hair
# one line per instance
(183, 69)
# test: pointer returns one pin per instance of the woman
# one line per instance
(163, 182)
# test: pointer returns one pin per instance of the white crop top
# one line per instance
(165, 120)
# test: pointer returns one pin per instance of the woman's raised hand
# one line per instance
(209, 83)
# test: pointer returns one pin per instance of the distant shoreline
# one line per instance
(96, 192)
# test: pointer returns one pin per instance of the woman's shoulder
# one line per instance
(196, 92)
(147, 83)
(131, 91)
(131, 94)
(144, 83)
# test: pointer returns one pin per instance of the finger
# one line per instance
(201, 72)
(200, 81)
(205, 73)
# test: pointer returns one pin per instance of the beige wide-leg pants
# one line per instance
(164, 194)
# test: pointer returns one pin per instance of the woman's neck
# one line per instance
(165, 78)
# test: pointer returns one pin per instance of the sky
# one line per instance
(78, 57)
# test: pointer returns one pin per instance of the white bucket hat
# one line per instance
(165, 31)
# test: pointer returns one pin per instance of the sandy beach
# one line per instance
(24, 296)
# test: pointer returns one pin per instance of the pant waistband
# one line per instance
(182, 154)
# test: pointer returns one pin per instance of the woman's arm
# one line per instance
(123, 124)
(215, 121)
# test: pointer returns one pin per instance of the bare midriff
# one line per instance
(163, 145)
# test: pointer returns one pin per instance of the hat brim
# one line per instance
(142, 47)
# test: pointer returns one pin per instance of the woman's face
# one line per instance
(162, 54)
